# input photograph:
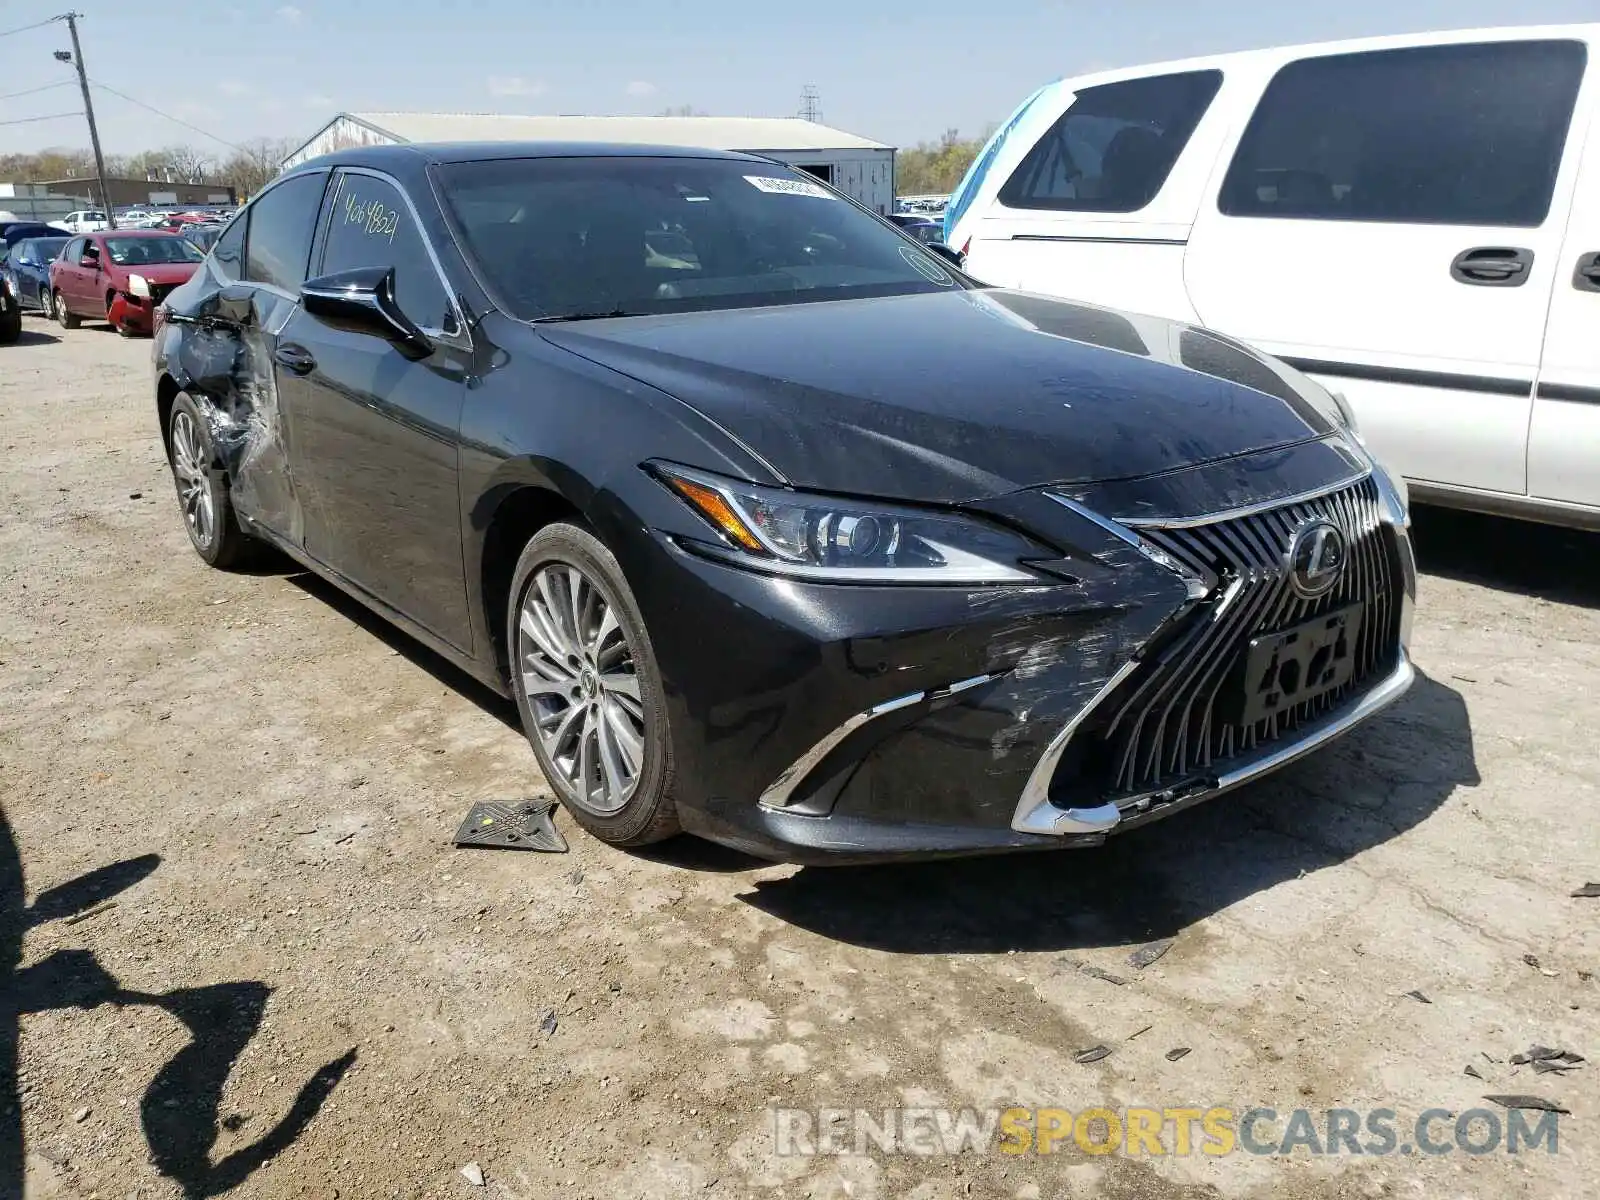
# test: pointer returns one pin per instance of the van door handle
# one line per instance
(1587, 277)
(294, 357)
(1492, 266)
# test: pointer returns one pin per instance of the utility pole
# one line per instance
(76, 56)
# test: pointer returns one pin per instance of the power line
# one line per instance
(31, 91)
(47, 117)
(25, 28)
(152, 108)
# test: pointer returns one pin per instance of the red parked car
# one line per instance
(119, 276)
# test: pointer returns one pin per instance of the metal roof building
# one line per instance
(857, 166)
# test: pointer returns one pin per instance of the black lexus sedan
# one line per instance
(779, 529)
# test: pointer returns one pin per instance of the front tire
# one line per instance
(65, 319)
(588, 688)
(202, 487)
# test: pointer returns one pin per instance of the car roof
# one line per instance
(134, 233)
(438, 153)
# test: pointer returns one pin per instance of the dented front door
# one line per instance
(226, 363)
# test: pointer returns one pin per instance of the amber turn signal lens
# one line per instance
(711, 505)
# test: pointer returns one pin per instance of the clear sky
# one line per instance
(900, 71)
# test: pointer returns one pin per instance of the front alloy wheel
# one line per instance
(588, 688)
(579, 677)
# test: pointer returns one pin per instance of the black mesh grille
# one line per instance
(1170, 722)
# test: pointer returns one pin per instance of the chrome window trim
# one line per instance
(782, 789)
(457, 336)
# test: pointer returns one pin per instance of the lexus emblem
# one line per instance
(1316, 558)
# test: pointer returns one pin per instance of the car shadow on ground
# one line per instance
(34, 337)
(1381, 781)
(405, 645)
(1545, 561)
(181, 1107)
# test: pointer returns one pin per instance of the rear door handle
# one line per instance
(1492, 266)
(294, 357)
(1587, 277)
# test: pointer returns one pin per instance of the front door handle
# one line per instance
(294, 357)
(1587, 277)
(1492, 266)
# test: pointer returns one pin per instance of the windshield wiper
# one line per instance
(583, 316)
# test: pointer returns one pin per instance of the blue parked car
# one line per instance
(27, 267)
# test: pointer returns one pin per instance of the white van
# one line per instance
(1414, 221)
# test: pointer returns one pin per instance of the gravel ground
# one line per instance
(303, 989)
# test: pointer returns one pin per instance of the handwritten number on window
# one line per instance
(375, 220)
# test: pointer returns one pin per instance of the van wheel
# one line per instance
(66, 319)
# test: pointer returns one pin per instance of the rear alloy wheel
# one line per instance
(64, 318)
(588, 689)
(47, 304)
(203, 488)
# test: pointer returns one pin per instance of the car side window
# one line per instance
(371, 225)
(70, 252)
(282, 221)
(228, 253)
(1114, 146)
(89, 251)
(1435, 135)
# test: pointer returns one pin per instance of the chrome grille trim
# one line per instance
(1163, 728)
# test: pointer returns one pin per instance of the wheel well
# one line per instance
(166, 393)
(520, 515)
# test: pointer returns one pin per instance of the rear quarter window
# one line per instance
(1114, 146)
(1438, 135)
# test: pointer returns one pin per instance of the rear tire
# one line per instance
(65, 319)
(11, 327)
(597, 716)
(47, 304)
(203, 488)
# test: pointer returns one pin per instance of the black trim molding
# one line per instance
(1437, 379)
(1115, 241)
(1569, 391)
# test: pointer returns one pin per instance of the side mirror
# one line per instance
(954, 257)
(362, 301)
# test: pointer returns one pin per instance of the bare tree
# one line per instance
(255, 164)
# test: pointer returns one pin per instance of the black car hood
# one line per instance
(959, 395)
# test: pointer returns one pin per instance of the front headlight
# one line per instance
(850, 541)
(138, 285)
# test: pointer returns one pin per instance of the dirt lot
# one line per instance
(304, 990)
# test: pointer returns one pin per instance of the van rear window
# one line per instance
(1429, 135)
(1114, 146)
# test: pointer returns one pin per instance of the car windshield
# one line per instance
(42, 250)
(134, 251)
(583, 237)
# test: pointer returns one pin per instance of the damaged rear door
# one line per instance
(376, 425)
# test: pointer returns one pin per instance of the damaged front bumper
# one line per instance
(1025, 719)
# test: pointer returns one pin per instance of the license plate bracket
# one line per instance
(1287, 668)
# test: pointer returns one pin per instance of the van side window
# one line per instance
(1431, 135)
(1114, 146)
